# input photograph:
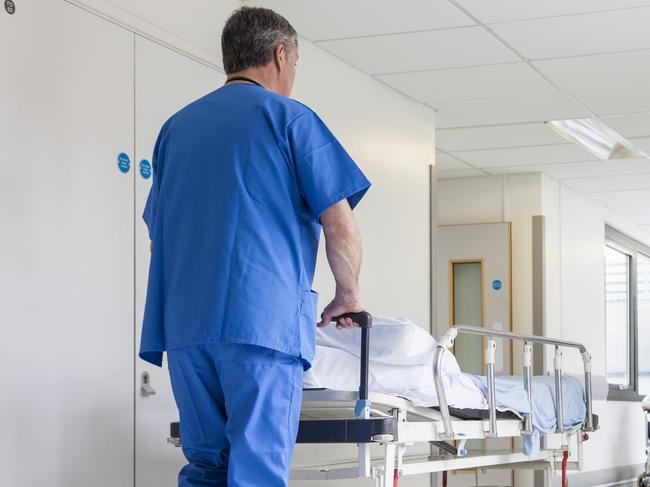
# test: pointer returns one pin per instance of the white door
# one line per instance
(66, 248)
(473, 284)
(165, 82)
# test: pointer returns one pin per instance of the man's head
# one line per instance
(259, 43)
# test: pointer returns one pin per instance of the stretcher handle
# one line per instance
(362, 318)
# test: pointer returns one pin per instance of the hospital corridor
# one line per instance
(325, 243)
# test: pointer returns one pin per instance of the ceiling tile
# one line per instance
(610, 183)
(618, 102)
(642, 143)
(445, 162)
(317, 19)
(520, 156)
(498, 136)
(504, 10)
(493, 111)
(605, 72)
(625, 202)
(421, 50)
(581, 169)
(493, 81)
(461, 173)
(617, 30)
(643, 219)
(630, 125)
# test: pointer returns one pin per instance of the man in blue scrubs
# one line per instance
(244, 180)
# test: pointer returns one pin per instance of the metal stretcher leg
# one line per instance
(559, 402)
(528, 386)
(389, 465)
(490, 360)
(550, 473)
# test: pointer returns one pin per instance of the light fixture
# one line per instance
(598, 138)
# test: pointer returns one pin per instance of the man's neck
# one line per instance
(257, 75)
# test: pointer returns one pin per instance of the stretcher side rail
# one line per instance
(447, 341)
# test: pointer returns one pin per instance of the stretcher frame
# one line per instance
(390, 425)
(384, 427)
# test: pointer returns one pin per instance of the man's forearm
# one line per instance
(343, 247)
(344, 253)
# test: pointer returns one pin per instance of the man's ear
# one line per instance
(280, 57)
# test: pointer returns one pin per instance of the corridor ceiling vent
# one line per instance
(598, 138)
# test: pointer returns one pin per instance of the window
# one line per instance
(627, 315)
(617, 316)
(643, 321)
(467, 302)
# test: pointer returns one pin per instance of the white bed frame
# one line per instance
(391, 425)
(384, 427)
(424, 425)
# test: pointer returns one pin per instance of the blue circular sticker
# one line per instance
(123, 162)
(145, 168)
(496, 284)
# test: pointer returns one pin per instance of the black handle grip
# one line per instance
(362, 318)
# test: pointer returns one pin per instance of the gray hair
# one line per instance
(250, 37)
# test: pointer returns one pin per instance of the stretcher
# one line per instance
(384, 428)
(644, 478)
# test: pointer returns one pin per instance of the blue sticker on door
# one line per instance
(145, 168)
(496, 284)
(123, 162)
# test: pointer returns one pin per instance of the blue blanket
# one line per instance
(511, 396)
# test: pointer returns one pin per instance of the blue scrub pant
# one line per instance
(239, 407)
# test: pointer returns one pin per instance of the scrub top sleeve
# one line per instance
(326, 173)
(151, 206)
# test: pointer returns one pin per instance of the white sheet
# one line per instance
(401, 358)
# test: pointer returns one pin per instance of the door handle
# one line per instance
(145, 385)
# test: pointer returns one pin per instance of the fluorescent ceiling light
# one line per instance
(598, 138)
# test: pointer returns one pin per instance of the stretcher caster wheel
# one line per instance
(644, 480)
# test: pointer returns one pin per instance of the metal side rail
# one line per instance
(447, 342)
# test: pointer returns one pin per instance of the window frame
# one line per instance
(631, 247)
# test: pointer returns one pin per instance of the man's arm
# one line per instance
(343, 246)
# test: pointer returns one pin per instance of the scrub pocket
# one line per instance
(308, 320)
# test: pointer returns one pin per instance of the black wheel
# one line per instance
(644, 480)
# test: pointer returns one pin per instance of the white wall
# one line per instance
(66, 249)
(574, 282)
(192, 27)
(471, 200)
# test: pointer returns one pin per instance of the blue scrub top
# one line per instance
(241, 177)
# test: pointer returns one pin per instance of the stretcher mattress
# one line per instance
(401, 357)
